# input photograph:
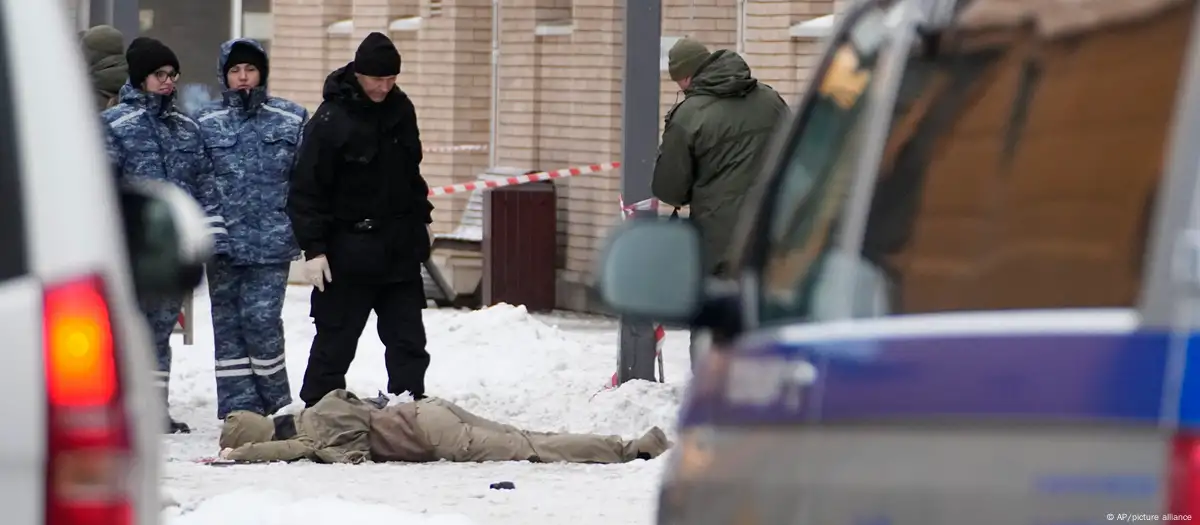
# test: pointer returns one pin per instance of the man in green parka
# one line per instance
(713, 141)
(104, 49)
(712, 147)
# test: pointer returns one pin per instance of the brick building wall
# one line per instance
(559, 85)
(561, 106)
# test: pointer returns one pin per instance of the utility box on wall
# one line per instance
(520, 246)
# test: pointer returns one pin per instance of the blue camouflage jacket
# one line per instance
(252, 141)
(147, 137)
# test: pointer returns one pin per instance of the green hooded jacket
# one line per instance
(712, 148)
(104, 49)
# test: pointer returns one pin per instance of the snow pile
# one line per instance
(506, 364)
(634, 405)
(481, 327)
(268, 507)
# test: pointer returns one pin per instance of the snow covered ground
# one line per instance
(541, 372)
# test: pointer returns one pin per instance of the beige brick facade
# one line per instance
(559, 87)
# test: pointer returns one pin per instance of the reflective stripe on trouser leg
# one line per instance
(162, 381)
(262, 291)
(235, 386)
(161, 316)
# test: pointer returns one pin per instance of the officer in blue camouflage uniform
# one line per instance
(251, 138)
(148, 138)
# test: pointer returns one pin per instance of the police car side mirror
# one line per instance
(166, 237)
(652, 269)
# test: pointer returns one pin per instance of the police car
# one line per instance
(81, 417)
(968, 286)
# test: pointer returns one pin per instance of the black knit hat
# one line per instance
(243, 53)
(145, 55)
(685, 58)
(377, 57)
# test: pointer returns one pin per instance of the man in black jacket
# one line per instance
(361, 213)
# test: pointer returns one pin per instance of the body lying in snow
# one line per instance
(342, 428)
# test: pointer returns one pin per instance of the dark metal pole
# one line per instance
(639, 150)
(99, 12)
(121, 14)
(125, 17)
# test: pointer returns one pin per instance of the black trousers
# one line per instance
(340, 314)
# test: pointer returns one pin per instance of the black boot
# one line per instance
(177, 427)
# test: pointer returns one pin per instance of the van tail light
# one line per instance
(89, 459)
(1184, 484)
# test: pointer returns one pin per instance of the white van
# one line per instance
(81, 419)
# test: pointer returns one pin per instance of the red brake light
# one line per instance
(80, 365)
(89, 454)
(1184, 483)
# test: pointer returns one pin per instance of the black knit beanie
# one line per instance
(145, 55)
(243, 53)
(377, 57)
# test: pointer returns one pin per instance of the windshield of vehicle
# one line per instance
(820, 165)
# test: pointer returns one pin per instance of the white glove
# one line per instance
(429, 233)
(317, 272)
(225, 453)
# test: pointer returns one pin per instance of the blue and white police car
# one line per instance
(967, 288)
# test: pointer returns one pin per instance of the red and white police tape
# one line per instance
(457, 148)
(660, 333)
(522, 179)
(650, 204)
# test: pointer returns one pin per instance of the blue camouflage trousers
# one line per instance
(247, 315)
(161, 315)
